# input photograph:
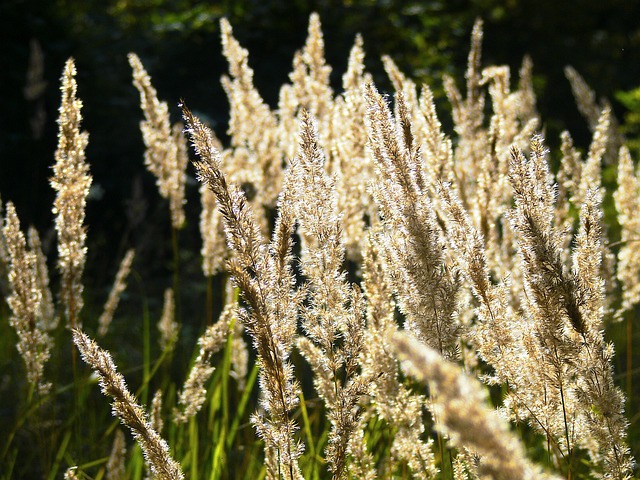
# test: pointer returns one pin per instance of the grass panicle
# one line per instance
(125, 407)
(71, 181)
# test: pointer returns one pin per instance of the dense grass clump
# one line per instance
(400, 301)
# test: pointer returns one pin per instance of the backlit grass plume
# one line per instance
(165, 155)
(263, 274)
(25, 300)
(71, 181)
(411, 237)
(119, 286)
(126, 408)
(334, 319)
(627, 200)
(393, 401)
(464, 415)
(194, 392)
(48, 315)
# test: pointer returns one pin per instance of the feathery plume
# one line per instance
(585, 97)
(463, 413)
(551, 288)
(194, 394)
(591, 110)
(214, 251)
(263, 274)
(392, 401)
(413, 241)
(347, 156)
(436, 147)
(34, 343)
(310, 75)
(71, 181)
(115, 464)
(578, 357)
(508, 342)
(119, 286)
(253, 127)
(157, 421)
(167, 325)
(493, 336)
(400, 82)
(468, 113)
(568, 180)
(166, 155)
(328, 319)
(601, 400)
(627, 201)
(551, 297)
(590, 172)
(527, 96)
(47, 315)
(124, 406)
(179, 179)
(239, 349)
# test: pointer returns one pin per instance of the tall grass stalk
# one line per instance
(175, 247)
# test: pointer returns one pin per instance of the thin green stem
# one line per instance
(146, 340)
(242, 404)
(629, 353)
(622, 242)
(566, 431)
(176, 275)
(193, 446)
(146, 349)
(209, 300)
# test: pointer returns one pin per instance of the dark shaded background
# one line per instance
(178, 42)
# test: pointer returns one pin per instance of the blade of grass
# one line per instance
(306, 426)
(219, 458)
(242, 404)
(146, 351)
(59, 455)
(9, 465)
(94, 463)
(193, 446)
(136, 463)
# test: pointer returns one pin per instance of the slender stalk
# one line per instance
(193, 446)
(176, 274)
(566, 429)
(209, 300)
(629, 353)
(146, 350)
(441, 450)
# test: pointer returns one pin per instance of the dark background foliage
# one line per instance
(178, 41)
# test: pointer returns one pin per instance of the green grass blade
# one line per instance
(242, 405)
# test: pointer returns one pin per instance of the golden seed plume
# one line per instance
(166, 153)
(124, 406)
(34, 343)
(119, 285)
(71, 181)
